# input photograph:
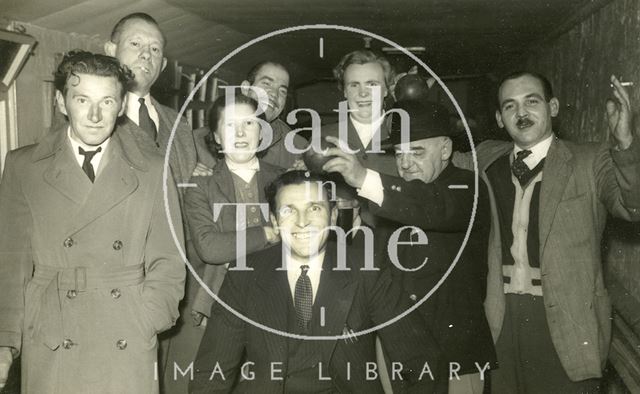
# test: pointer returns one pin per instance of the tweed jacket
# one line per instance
(580, 184)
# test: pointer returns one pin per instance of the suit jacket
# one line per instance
(182, 158)
(454, 312)
(108, 276)
(580, 184)
(353, 300)
(380, 162)
(277, 153)
(215, 241)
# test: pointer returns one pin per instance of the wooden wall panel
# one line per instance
(579, 64)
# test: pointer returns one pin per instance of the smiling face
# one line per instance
(365, 90)
(92, 103)
(303, 216)
(525, 112)
(140, 47)
(423, 159)
(238, 132)
(274, 80)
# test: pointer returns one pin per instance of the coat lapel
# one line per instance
(65, 174)
(117, 179)
(336, 292)
(222, 177)
(556, 173)
(273, 301)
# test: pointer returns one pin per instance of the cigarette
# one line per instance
(624, 84)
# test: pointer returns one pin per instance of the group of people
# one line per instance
(443, 281)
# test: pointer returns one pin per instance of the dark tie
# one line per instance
(144, 120)
(519, 168)
(303, 299)
(86, 164)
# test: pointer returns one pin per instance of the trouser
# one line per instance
(527, 360)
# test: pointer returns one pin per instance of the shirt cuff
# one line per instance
(372, 188)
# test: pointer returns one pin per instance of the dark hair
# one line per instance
(251, 77)
(547, 90)
(83, 62)
(297, 177)
(117, 29)
(363, 56)
(215, 113)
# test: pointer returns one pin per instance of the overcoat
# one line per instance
(89, 273)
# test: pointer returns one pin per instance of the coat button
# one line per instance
(68, 242)
(71, 294)
(116, 293)
(117, 245)
(413, 297)
(67, 343)
(399, 188)
(121, 344)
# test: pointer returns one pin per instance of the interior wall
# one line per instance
(579, 64)
(34, 85)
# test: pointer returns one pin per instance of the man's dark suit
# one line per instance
(353, 300)
(454, 313)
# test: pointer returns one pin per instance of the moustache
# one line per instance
(524, 122)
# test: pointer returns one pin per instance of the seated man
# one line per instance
(438, 198)
(280, 314)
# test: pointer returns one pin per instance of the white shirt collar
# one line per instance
(315, 270)
(538, 151)
(246, 171)
(133, 108)
(365, 130)
(95, 161)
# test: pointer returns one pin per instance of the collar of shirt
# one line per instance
(538, 152)
(246, 171)
(365, 130)
(294, 271)
(95, 161)
(133, 109)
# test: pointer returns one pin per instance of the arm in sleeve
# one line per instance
(223, 342)
(16, 264)
(431, 206)
(617, 175)
(164, 266)
(407, 340)
(214, 243)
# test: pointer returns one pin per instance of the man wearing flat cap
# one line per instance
(434, 201)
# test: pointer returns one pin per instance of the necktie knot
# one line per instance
(141, 101)
(304, 269)
(521, 170)
(87, 167)
(523, 154)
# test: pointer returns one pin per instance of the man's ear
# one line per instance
(334, 215)
(216, 138)
(164, 64)
(110, 48)
(274, 223)
(62, 107)
(554, 104)
(124, 105)
(499, 119)
(447, 148)
(244, 87)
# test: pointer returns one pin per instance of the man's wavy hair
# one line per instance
(363, 56)
(83, 62)
(298, 177)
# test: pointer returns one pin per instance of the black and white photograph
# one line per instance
(280, 196)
